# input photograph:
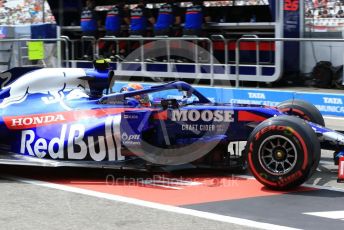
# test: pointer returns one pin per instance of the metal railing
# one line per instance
(258, 40)
(67, 41)
(228, 73)
(237, 55)
(225, 41)
(91, 39)
(59, 56)
(168, 41)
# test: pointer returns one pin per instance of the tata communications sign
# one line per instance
(328, 104)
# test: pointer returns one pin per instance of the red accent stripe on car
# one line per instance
(161, 116)
(37, 120)
(341, 169)
(248, 116)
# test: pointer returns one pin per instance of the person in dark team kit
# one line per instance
(89, 25)
(89, 20)
(168, 16)
(139, 16)
(194, 17)
(113, 22)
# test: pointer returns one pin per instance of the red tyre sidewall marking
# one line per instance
(297, 111)
(256, 174)
(298, 136)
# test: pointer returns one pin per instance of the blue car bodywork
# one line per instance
(60, 117)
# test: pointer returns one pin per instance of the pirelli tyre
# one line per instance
(302, 109)
(283, 152)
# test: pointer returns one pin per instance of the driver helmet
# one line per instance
(143, 98)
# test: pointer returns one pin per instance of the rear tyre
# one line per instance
(283, 152)
(302, 109)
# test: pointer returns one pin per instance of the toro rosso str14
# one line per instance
(70, 117)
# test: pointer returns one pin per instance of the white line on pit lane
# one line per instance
(336, 215)
(333, 118)
(326, 162)
(147, 204)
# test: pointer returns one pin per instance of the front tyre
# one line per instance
(302, 109)
(283, 152)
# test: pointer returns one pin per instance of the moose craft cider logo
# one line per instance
(202, 115)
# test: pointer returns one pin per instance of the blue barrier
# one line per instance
(260, 97)
(327, 103)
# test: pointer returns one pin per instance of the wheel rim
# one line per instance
(277, 155)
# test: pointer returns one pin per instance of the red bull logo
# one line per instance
(73, 143)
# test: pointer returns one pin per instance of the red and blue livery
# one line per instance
(72, 117)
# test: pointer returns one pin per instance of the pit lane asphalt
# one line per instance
(26, 206)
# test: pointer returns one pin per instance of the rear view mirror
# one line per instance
(187, 94)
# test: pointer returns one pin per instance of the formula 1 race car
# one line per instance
(70, 117)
